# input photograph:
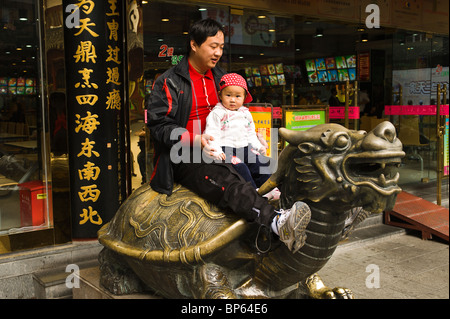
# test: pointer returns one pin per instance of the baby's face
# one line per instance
(232, 97)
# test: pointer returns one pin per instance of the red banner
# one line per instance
(338, 112)
(414, 109)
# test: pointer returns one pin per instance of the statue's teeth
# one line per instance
(382, 180)
(396, 177)
(383, 165)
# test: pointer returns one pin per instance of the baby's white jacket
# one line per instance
(231, 128)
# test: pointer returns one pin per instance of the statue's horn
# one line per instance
(296, 137)
(275, 178)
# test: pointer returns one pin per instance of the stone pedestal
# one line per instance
(90, 288)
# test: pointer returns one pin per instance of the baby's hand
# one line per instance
(219, 155)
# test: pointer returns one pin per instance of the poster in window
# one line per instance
(310, 65)
(340, 62)
(352, 74)
(312, 77)
(343, 75)
(263, 70)
(322, 75)
(320, 64)
(351, 61)
(332, 75)
(271, 69)
(281, 79)
(279, 68)
(330, 63)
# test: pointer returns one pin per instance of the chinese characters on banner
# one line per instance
(338, 112)
(94, 83)
(262, 117)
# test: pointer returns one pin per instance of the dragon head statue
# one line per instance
(333, 168)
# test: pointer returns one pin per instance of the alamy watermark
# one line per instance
(373, 279)
(373, 19)
(184, 152)
(73, 19)
(73, 279)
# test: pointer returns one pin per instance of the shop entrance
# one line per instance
(291, 60)
(420, 80)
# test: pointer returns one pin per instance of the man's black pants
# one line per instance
(220, 184)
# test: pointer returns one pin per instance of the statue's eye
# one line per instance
(342, 141)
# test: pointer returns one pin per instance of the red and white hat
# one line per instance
(234, 79)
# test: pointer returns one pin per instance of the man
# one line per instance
(363, 100)
(177, 109)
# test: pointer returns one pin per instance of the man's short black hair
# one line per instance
(203, 29)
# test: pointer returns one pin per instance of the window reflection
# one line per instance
(23, 194)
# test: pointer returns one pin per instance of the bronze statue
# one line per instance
(180, 246)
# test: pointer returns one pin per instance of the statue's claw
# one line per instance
(318, 290)
(213, 283)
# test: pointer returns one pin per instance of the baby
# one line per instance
(231, 124)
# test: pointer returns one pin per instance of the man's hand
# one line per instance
(204, 142)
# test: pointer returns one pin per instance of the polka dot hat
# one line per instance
(234, 79)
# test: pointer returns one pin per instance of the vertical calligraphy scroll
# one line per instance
(93, 39)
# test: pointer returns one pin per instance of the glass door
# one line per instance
(419, 64)
(25, 194)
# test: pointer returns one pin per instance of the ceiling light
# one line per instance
(319, 33)
(202, 9)
(165, 20)
(271, 30)
(364, 37)
(261, 16)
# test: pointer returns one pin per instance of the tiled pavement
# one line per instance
(401, 266)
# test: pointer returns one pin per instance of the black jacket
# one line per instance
(168, 108)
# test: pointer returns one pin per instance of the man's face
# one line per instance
(207, 55)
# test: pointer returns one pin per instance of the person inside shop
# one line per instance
(333, 100)
(314, 100)
(15, 113)
(363, 101)
(340, 89)
(231, 125)
(177, 111)
(302, 100)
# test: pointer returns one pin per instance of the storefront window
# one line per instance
(25, 195)
(291, 60)
(263, 51)
(420, 63)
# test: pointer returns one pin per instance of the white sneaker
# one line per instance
(291, 225)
